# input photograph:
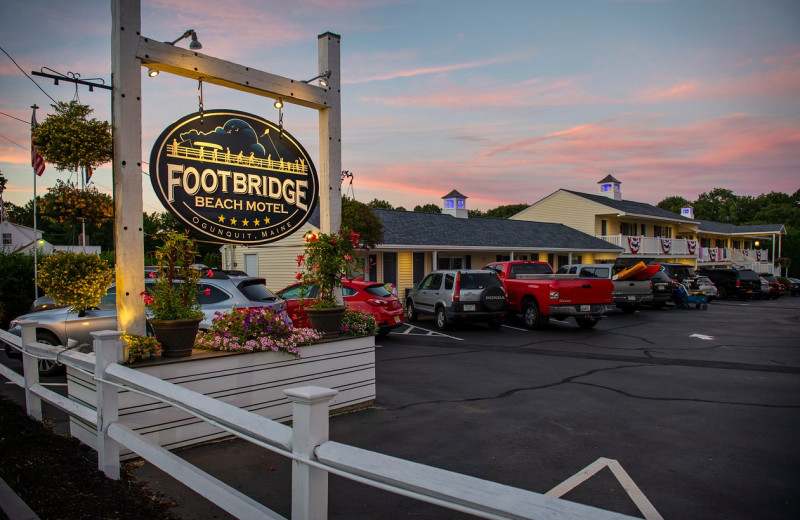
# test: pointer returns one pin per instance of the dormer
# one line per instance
(455, 204)
(609, 187)
(687, 211)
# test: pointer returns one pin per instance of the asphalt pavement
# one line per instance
(701, 408)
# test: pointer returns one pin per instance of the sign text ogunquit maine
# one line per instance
(233, 178)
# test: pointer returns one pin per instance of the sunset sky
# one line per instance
(504, 101)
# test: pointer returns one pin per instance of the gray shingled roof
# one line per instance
(437, 229)
(710, 226)
(409, 228)
(635, 208)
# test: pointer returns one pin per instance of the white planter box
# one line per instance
(253, 382)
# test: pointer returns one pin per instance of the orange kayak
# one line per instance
(646, 273)
(629, 272)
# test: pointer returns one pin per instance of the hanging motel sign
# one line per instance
(233, 177)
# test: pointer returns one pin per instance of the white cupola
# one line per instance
(609, 187)
(455, 204)
(687, 211)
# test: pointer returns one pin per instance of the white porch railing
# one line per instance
(683, 247)
(306, 443)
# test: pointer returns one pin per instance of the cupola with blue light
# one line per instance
(610, 188)
(455, 204)
(687, 211)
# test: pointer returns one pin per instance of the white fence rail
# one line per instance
(306, 443)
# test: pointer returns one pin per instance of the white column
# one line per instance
(330, 137)
(30, 369)
(126, 120)
(309, 430)
(108, 349)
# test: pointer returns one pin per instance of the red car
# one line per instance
(371, 297)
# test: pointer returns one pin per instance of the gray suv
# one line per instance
(56, 325)
(459, 295)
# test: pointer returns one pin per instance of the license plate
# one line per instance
(632, 298)
(586, 308)
(469, 307)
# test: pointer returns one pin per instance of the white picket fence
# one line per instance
(306, 443)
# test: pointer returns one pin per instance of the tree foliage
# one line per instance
(428, 208)
(360, 218)
(506, 211)
(379, 204)
(68, 140)
(673, 204)
(16, 286)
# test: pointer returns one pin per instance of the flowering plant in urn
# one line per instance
(326, 260)
(177, 283)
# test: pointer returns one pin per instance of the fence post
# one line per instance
(309, 430)
(108, 349)
(30, 369)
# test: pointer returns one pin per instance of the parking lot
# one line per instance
(701, 408)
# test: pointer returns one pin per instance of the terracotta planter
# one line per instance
(176, 336)
(327, 321)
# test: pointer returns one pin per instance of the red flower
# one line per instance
(298, 276)
(207, 292)
(210, 273)
(152, 274)
(300, 259)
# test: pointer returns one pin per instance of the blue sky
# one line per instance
(505, 101)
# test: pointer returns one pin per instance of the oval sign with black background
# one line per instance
(235, 178)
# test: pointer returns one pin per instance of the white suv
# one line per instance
(464, 294)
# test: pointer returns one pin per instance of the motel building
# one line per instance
(564, 227)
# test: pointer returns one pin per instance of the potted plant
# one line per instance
(139, 347)
(176, 314)
(325, 261)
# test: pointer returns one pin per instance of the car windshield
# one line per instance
(747, 274)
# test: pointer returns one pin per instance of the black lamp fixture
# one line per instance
(194, 45)
(323, 78)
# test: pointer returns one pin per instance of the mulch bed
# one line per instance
(57, 475)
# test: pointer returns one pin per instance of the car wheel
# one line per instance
(441, 319)
(586, 323)
(722, 293)
(532, 316)
(48, 367)
(627, 308)
(411, 312)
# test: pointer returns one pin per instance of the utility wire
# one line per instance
(14, 143)
(13, 117)
(26, 75)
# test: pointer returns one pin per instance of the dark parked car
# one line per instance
(744, 284)
(793, 286)
(677, 272)
(662, 287)
(776, 288)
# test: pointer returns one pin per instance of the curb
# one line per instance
(13, 505)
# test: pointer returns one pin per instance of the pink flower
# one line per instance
(210, 273)
(347, 257)
(152, 274)
(207, 292)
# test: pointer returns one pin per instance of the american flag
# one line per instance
(36, 160)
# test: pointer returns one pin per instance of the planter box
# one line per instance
(251, 381)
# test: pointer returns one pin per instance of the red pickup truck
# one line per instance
(534, 291)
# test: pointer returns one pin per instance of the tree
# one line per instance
(673, 204)
(68, 140)
(506, 211)
(360, 218)
(428, 208)
(379, 204)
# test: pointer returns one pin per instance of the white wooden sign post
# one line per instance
(130, 52)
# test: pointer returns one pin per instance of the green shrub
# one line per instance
(16, 286)
(358, 323)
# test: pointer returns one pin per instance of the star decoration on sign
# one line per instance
(233, 221)
(266, 220)
(256, 222)
(245, 222)
(221, 219)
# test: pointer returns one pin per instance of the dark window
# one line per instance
(6, 239)
(529, 269)
(471, 281)
(349, 291)
(257, 292)
(448, 282)
(603, 227)
(215, 295)
(299, 291)
(379, 290)
(390, 268)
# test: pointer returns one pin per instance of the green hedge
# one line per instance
(16, 286)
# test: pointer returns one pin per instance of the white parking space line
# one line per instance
(428, 332)
(702, 336)
(515, 328)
